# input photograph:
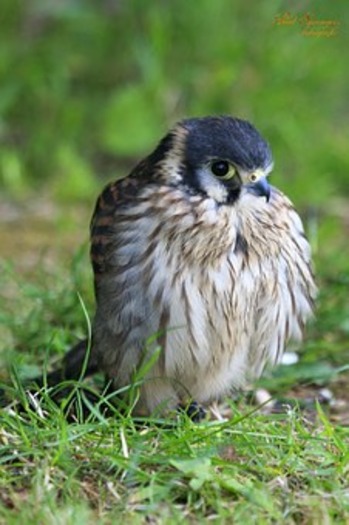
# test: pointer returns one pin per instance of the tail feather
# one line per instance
(76, 365)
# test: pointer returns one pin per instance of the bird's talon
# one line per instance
(194, 411)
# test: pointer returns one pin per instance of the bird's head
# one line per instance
(218, 156)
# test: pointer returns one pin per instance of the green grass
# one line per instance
(259, 469)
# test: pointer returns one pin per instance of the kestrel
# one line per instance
(198, 259)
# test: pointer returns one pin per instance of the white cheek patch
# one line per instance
(212, 186)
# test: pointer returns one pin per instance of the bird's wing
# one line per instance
(124, 316)
(113, 198)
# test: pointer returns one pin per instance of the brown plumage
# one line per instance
(196, 254)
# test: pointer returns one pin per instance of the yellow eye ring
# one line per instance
(223, 170)
(256, 175)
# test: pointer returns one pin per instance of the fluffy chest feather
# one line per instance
(221, 288)
(224, 288)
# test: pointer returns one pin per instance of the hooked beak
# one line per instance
(261, 188)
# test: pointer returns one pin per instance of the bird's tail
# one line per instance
(77, 364)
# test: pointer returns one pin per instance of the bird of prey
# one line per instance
(196, 259)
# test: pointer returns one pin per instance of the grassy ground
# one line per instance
(86, 90)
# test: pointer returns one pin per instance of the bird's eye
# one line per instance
(222, 169)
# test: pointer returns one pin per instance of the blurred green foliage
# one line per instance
(89, 87)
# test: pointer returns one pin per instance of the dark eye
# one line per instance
(220, 168)
(223, 170)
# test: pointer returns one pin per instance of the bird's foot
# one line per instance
(194, 411)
